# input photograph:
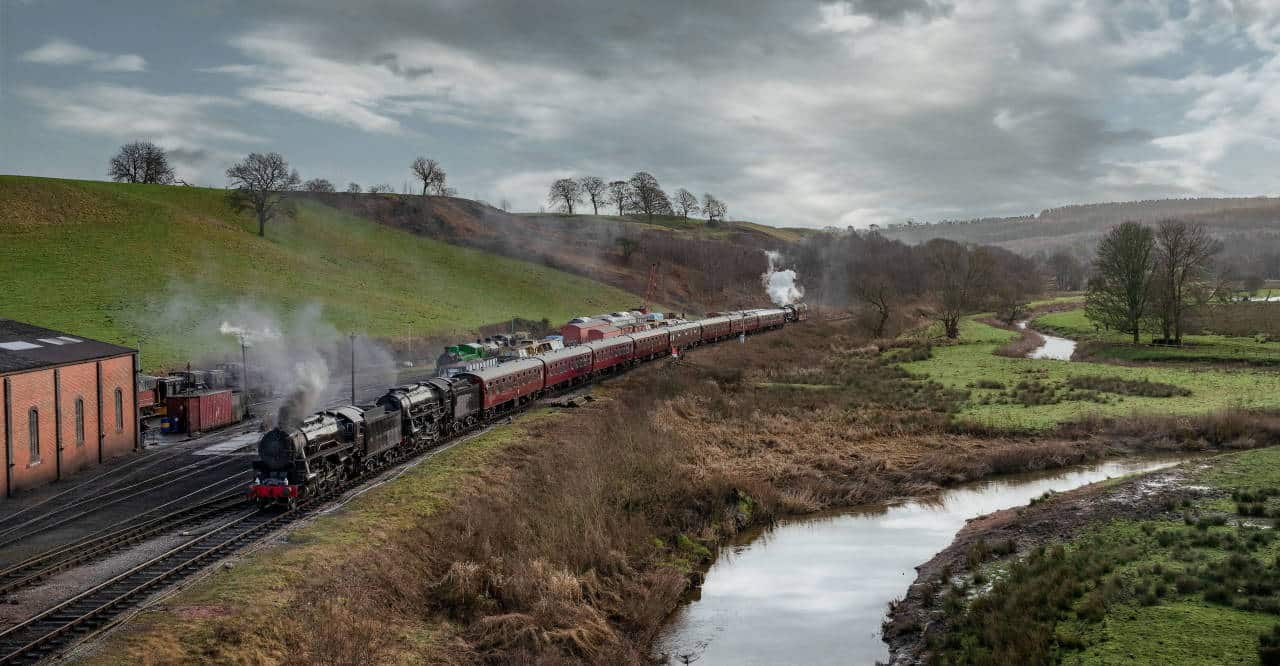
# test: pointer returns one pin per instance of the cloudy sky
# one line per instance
(794, 113)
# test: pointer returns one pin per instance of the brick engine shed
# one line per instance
(69, 403)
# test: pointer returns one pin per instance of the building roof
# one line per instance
(25, 347)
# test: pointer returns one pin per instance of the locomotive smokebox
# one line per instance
(276, 451)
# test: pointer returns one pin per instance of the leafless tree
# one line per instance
(595, 189)
(432, 176)
(318, 185)
(564, 193)
(141, 162)
(1182, 256)
(628, 247)
(686, 203)
(646, 196)
(353, 188)
(1252, 283)
(260, 183)
(958, 274)
(1120, 286)
(713, 208)
(1068, 272)
(619, 195)
(381, 188)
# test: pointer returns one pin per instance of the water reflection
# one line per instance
(1054, 347)
(814, 591)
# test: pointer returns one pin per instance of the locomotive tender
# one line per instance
(333, 445)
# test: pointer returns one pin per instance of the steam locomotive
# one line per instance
(329, 447)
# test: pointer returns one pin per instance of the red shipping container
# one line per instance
(202, 411)
(576, 334)
(603, 333)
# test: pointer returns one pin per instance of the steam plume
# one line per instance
(781, 284)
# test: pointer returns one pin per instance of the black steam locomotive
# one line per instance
(331, 446)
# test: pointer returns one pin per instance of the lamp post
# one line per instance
(353, 368)
(244, 369)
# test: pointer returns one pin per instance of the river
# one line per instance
(815, 590)
(1054, 347)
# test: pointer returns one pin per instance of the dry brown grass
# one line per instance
(575, 544)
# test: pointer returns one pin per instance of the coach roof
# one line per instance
(26, 347)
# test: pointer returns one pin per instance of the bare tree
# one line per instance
(594, 188)
(713, 208)
(353, 188)
(1182, 256)
(619, 195)
(141, 162)
(1119, 289)
(1068, 272)
(685, 203)
(261, 182)
(628, 247)
(382, 188)
(564, 193)
(318, 185)
(958, 274)
(432, 176)
(646, 196)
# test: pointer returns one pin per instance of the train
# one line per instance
(302, 460)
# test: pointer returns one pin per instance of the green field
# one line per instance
(1196, 584)
(1196, 348)
(965, 365)
(159, 267)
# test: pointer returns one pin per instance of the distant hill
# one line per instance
(156, 266)
(1248, 227)
(701, 267)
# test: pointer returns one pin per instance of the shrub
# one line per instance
(1119, 386)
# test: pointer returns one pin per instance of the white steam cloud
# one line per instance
(781, 284)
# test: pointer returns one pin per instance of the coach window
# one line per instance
(33, 434)
(79, 421)
(119, 410)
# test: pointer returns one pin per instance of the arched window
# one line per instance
(79, 421)
(33, 433)
(119, 410)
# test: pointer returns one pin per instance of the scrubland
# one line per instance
(569, 535)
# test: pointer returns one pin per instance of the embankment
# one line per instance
(1178, 566)
(569, 536)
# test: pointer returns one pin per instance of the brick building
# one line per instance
(68, 403)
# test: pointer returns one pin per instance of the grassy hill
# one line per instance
(1248, 227)
(702, 267)
(160, 266)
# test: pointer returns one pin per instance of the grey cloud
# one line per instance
(191, 156)
(392, 63)
(794, 112)
(899, 9)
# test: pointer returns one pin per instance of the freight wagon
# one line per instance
(201, 411)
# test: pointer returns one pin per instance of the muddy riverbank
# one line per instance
(919, 616)
(815, 589)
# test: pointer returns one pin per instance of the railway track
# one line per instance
(42, 566)
(82, 507)
(103, 606)
(100, 607)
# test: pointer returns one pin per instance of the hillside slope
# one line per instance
(701, 267)
(161, 267)
(1248, 227)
